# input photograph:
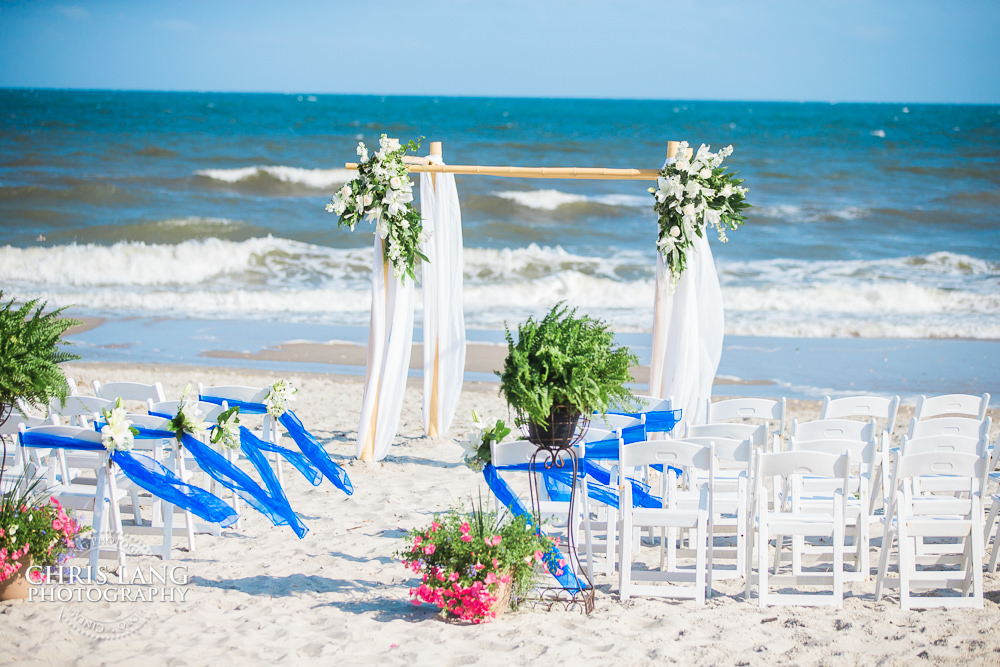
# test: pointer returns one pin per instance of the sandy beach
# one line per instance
(259, 595)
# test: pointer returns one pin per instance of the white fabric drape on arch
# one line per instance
(688, 328)
(390, 338)
(444, 318)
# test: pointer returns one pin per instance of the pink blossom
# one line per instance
(417, 540)
(538, 555)
(434, 526)
(491, 578)
(496, 540)
(466, 537)
(429, 549)
(453, 576)
(464, 527)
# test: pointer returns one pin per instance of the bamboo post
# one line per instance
(672, 147)
(432, 422)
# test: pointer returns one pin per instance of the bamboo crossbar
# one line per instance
(592, 173)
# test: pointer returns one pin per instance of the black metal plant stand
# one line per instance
(555, 450)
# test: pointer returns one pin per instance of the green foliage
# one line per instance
(564, 360)
(29, 353)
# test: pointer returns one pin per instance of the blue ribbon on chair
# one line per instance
(307, 443)
(250, 441)
(150, 475)
(657, 421)
(553, 558)
(275, 507)
(641, 495)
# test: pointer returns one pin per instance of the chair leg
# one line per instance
(762, 541)
(625, 555)
(883, 560)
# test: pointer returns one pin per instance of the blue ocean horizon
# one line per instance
(871, 222)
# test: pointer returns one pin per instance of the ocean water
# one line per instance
(869, 220)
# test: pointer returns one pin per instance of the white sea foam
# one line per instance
(939, 295)
(313, 178)
(550, 200)
(798, 213)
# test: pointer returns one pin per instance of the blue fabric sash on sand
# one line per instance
(149, 474)
(273, 505)
(307, 443)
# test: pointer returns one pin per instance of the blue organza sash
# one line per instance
(657, 421)
(307, 443)
(274, 506)
(150, 475)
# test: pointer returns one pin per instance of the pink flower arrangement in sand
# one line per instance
(469, 561)
(42, 530)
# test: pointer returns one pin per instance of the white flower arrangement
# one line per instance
(227, 429)
(189, 418)
(118, 434)
(692, 193)
(383, 193)
(279, 396)
(477, 442)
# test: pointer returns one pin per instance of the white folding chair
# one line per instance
(686, 510)
(885, 412)
(857, 440)
(956, 518)
(755, 411)
(165, 451)
(956, 405)
(137, 393)
(788, 516)
(210, 413)
(269, 427)
(101, 498)
(735, 446)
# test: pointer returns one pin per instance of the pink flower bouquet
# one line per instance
(466, 560)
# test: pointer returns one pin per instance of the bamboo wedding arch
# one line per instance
(433, 165)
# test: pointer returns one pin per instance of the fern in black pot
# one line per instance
(561, 367)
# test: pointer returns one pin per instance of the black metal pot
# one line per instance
(561, 431)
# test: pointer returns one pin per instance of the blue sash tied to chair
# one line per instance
(148, 474)
(272, 503)
(307, 443)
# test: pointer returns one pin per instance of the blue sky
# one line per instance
(804, 50)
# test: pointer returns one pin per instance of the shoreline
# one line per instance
(804, 368)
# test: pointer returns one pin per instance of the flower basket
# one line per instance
(16, 586)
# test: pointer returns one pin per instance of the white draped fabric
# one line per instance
(688, 328)
(444, 319)
(390, 337)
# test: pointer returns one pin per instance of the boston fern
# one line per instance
(29, 353)
(564, 360)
